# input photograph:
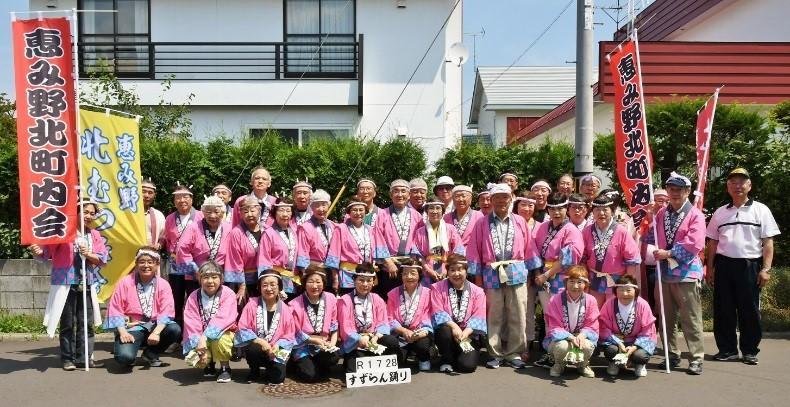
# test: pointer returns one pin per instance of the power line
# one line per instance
(293, 89)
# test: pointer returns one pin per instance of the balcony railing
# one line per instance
(339, 57)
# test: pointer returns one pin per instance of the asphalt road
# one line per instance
(30, 375)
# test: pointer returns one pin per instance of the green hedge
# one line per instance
(478, 164)
(327, 164)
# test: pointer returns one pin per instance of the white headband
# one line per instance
(146, 252)
(559, 205)
(626, 285)
(543, 184)
(524, 198)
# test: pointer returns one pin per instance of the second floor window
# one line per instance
(329, 22)
(110, 40)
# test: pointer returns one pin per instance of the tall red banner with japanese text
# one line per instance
(632, 150)
(48, 181)
(704, 129)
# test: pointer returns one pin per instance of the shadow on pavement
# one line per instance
(187, 377)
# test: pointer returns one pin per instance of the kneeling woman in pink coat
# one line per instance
(364, 324)
(628, 327)
(267, 329)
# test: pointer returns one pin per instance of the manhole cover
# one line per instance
(294, 389)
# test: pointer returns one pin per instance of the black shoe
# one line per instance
(224, 375)
(210, 371)
(695, 368)
(726, 356)
(545, 361)
(750, 359)
(674, 362)
(254, 375)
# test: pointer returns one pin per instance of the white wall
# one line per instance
(217, 20)
(603, 123)
(740, 21)
(234, 121)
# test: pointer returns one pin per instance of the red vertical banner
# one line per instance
(704, 129)
(632, 150)
(43, 76)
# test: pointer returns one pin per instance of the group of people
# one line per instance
(273, 280)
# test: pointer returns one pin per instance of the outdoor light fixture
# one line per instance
(400, 3)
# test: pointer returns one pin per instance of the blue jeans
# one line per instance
(125, 353)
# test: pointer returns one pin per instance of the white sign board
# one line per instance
(377, 371)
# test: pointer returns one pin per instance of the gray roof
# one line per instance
(522, 87)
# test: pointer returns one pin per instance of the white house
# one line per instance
(506, 100)
(309, 68)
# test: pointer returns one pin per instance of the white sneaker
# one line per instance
(446, 368)
(613, 369)
(425, 366)
(640, 371)
(556, 370)
(586, 371)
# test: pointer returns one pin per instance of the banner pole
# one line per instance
(655, 231)
(75, 78)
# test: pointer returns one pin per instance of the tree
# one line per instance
(164, 120)
(478, 164)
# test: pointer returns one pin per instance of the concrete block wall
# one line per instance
(24, 286)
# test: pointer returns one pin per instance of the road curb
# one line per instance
(29, 337)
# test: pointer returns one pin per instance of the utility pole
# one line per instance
(583, 162)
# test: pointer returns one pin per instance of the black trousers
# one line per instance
(736, 299)
(72, 335)
(257, 358)
(388, 341)
(421, 349)
(451, 353)
(181, 289)
(386, 283)
(650, 273)
(315, 368)
(639, 357)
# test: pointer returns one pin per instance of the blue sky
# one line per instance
(510, 26)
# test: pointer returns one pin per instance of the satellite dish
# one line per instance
(457, 54)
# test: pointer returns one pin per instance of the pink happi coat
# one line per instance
(310, 241)
(64, 274)
(273, 252)
(621, 252)
(480, 252)
(266, 217)
(442, 311)
(304, 328)
(62, 256)
(643, 333)
(173, 238)
(466, 234)
(557, 328)
(421, 249)
(689, 243)
(386, 228)
(193, 249)
(422, 314)
(346, 318)
(241, 257)
(125, 303)
(223, 321)
(344, 249)
(283, 336)
(567, 247)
